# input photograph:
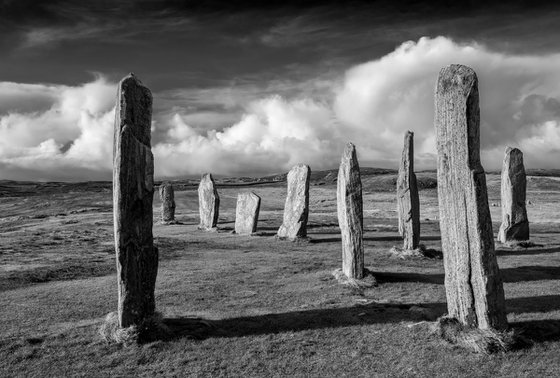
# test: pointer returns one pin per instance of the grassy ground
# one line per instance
(269, 308)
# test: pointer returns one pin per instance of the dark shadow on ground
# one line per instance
(295, 321)
(526, 251)
(389, 277)
(518, 274)
(539, 330)
(530, 273)
(366, 238)
(544, 303)
(370, 313)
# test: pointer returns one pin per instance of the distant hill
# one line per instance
(373, 179)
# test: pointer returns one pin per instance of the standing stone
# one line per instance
(296, 208)
(247, 213)
(167, 195)
(208, 203)
(408, 204)
(473, 285)
(515, 225)
(133, 190)
(350, 213)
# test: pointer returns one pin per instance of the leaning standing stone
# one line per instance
(515, 225)
(475, 295)
(350, 213)
(408, 204)
(247, 213)
(296, 208)
(208, 202)
(167, 195)
(133, 189)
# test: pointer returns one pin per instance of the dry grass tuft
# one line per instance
(366, 282)
(486, 341)
(151, 329)
(419, 253)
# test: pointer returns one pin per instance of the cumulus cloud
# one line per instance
(272, 136)
(66, 131)
(56, 132)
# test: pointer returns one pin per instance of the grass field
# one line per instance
(256, 306)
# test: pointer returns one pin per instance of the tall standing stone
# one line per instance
(296, 209)
(408, 203)
(515, 225)
(208, 202)
(350, 213)
(133, 190)
(167, 195)
(247, 213)
(473, 284)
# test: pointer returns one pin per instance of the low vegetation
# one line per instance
(257, 306)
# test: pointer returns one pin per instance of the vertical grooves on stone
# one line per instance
(473, 284)
(296, 208)
(133, 168)
(408, 203)
(208, 202)
(350, 213)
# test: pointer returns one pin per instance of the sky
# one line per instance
(248, 88)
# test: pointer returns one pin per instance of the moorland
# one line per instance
(255, 305)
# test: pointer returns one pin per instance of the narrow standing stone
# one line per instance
(247, 213)
(408, 203)
(473, 284)
(167, 195)
(350, 213)
(208, 202)
(133, 190)
(296, 209)
(515, 225)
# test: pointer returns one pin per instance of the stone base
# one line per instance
(213, 229)
(151, 329)
(419, 253)
(299, 239)
(367, 282)
(256, 233)
(478, 340)
(520, 244)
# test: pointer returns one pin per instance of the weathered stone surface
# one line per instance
(473, 284)
(247, 213)
(208, 202)
(515, 225)
(350, 213)
(167, 195)
(296, 209)
(133, 190)
(408, 203)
